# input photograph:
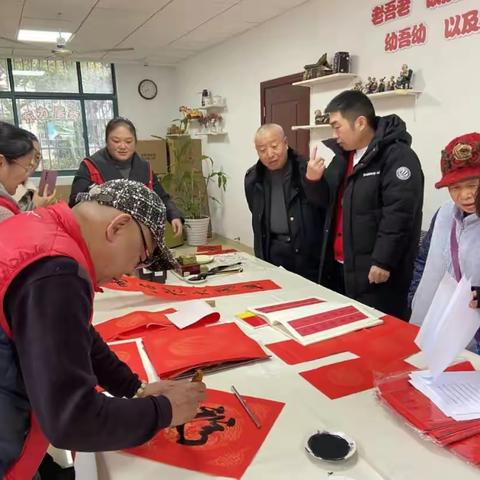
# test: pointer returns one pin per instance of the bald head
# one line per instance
(114, 239)
(272, 146)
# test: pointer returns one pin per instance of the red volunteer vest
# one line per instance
(10, 205)
(56, 233)
(96, 176)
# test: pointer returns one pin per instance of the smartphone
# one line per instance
(48, 179)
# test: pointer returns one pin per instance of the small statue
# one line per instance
(381, 85)
(373, 86)
(321, 119)
(368, 85)
(405, 77)
(391, 83)
(358, 86)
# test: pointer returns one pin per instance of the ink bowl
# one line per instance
(334, 447)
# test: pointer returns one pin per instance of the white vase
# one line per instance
(197, 230)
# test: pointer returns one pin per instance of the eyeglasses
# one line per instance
(30, 168)
(149, 258)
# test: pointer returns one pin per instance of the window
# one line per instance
(65, 104)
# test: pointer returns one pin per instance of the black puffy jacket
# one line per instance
(382, 215)
(305, 219)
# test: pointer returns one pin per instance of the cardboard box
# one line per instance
(155, 152)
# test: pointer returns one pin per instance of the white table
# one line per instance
(387, 448)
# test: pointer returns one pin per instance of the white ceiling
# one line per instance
(162, 32)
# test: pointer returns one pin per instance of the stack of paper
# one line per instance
(456, 394)
(310, 320)
(449, 325)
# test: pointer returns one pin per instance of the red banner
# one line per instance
(179, 293)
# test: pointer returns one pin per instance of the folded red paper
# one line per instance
(178, 292)
(351, 376)
(174, 352)
(134, 323)
(221, 441)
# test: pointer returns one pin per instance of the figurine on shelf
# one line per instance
(319, 69)
(373, 86)
(381, 85)
(368, 85)
(391, 83)
(405, 78)
(358, 86)
(321, 118)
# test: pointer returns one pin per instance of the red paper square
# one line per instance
(255, 321)
(173, 352)
(348, 377)
(229, 450)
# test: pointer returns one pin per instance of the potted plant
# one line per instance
(188, 182)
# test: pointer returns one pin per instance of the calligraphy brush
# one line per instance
(197, 377)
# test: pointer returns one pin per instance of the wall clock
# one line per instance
(147, 89)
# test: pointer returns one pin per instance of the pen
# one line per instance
(254, 418)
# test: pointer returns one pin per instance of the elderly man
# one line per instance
(51, 358)
(287, 228)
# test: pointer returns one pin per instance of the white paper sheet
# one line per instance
(443, 336)
(188, 313)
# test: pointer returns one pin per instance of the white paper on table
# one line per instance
(444, 338)
(439, 304)
(456, 394)
(188, 313)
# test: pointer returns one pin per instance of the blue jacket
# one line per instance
(421, 260)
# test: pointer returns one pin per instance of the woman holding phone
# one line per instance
(119, 160)
(17, 162)
(27, 196)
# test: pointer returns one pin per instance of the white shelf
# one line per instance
(209, 134)
(395, 93)
(335, 77)
(211, 107)
(311, 127)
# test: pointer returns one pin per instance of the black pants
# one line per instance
(49, 470)
(336, 279)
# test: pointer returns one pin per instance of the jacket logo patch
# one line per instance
(403, 173)
(370, 174)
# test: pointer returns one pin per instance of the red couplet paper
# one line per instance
(390, 341)
(179, 293)
(420, 412)
(173, 352)
(255, 321)
(279, 307)
(222, 441)
(214, 250)
(134, 323)
(128, 352)
(349, 377)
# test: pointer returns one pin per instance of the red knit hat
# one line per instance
(460, 160)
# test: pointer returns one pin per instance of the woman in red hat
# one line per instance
(456, 232)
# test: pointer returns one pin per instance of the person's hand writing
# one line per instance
(185, 398)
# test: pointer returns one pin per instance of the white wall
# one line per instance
(149, 116)
(447, 71)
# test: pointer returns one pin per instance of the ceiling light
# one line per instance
(41, 36)
(29, 73)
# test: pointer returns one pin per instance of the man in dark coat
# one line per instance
(373, 192)
(286, 226)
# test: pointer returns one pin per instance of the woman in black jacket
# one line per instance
(119, 160)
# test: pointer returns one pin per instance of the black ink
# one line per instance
(216, 423)
(328, 446)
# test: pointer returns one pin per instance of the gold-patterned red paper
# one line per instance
(221, 441)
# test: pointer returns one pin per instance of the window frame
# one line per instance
(80, 96)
